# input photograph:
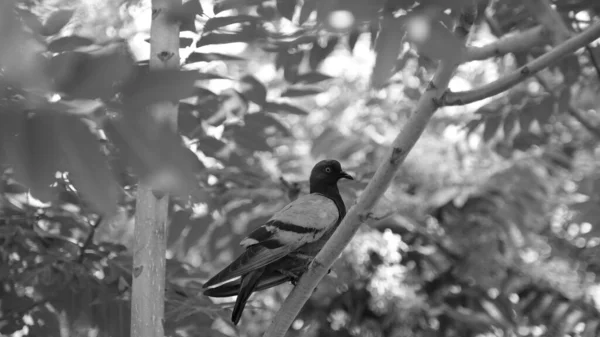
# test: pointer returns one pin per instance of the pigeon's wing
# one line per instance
(302, 221)
(253, 258)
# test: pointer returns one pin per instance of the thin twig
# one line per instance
(524, 72)
(511, 43)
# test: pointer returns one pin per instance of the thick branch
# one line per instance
(524, 72)
(511, 43)
(359, 213)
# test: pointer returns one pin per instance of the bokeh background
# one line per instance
(490, 228)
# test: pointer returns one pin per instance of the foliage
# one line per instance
(495, 212)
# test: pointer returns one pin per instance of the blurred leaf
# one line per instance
(510, 121)
(186, 14)
(472, 125)
(298, 92)
(352, 39)
(32, 150)
(246, 35)
(433, 40)
(490, 127)
(524, 140)
(564, 100)
(319, 53)
(82, 75)
(284, 108)
(208, 57)
(87, 166)
(312, 78)
(527, 115)
(198, 227)
(387, 49)
(260, 120)
(254, 90)
(308, 6)
(156, 86)
(211, 146)
(156, 153)
(248, 138)
(286, 8)
(68, 43)
(31, 20)
(185, 42)
(179, 221)
(571, 69)
(56, 21)
(544, 110)
(290, 62)
(221, 21)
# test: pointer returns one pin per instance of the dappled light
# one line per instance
(484, 218)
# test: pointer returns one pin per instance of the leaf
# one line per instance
(185, 14)
(312, 78)
(155, 153)
(432, 39)
(211, 146)
(184, 42)
(86, 164)
(526, 116)
(198, 228)
(491, 126)
(571, 69)
(31, 20)
(308, 8)
(297, 92)
(260, 121)
(286, 8)
(472, 125)
(222, 38)
(161, 86)
(248, 138)
(564, 100)
(56, 21)
(69, 43)
(352, 39)
(179, 221)
(254, 90)
(319, 53)
(221, 21)
(32, 150)
(387, 49)
(290, 61)
(544, 110)
(208, 57)
(510, 121)
(90, 76)
(274, 107)
(525, 139)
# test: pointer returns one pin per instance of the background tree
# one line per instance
(492, 226)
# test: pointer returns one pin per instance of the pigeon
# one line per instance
(282, 249)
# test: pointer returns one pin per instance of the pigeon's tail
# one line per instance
(249, 282)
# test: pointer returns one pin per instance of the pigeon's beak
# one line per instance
(346, 175)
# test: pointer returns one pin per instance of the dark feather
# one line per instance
(254, 257)
(249, 282)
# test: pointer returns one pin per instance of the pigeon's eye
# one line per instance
(328, 169)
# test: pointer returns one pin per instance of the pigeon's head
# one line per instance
(327, 172)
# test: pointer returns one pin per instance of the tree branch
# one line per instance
(511, 43)
(560, 32)
(359, 213)
(524, 72)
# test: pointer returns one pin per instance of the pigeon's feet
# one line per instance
(302, 256)
(293, 277)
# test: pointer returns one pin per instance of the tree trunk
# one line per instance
(149, 245)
